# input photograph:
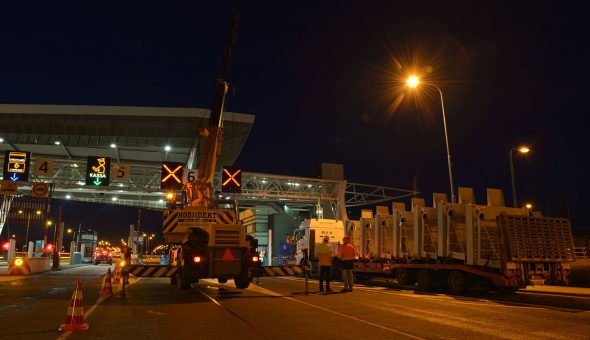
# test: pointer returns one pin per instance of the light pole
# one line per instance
(20, 212)
(70, 232)
(523, 150)
(413, 82)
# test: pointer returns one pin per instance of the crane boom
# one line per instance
(200, 192)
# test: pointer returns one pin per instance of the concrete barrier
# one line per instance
(28, 265)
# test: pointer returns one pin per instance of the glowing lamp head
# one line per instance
(255, 259)
(49, 247)
(528, 206)
(524, 149)
(197, 259)
(413, 81)
(18, 262)
(170, 196)
(6, 246)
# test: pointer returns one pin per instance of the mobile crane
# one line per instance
(207, 241)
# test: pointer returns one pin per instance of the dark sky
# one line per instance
(322, 80)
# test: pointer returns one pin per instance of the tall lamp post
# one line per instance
(523, 150)
(413, 82)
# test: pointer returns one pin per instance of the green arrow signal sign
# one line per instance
(97, 182)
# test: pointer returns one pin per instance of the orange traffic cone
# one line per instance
(117, 279)
(75, 316)
(107, 289)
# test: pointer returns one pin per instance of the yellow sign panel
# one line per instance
(40, 190)
(43, 168)
(120, 171)
(8, 187)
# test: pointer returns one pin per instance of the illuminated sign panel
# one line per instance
(231, 179)
(16, 166)
(171, 176)
(98, 171)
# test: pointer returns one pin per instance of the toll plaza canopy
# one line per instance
(138, 134)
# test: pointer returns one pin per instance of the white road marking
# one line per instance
(270, 292)
(446, 299)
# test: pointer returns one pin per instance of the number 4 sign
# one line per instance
(43, 168)
(120, 172)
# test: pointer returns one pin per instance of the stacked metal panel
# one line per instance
(384, 233)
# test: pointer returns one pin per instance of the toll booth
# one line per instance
(87, 243)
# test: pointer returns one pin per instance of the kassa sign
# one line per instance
(98, 171)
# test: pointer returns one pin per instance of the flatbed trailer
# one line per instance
(462, 246)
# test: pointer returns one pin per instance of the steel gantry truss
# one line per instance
(143, 188)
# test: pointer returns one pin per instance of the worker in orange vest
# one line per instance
(324, 252)
(346, 254)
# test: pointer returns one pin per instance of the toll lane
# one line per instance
(33, 307)
(155, 309)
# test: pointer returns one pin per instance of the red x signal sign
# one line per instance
(171, 176)
(231, 179)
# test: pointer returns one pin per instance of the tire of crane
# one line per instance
(182, 283)
(403, 276)
(424, 280)
(457, 282)
(242, 281)
(222, 279)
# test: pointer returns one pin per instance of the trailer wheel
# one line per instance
(222, 279)
(508, 290)
(403, 276)
(242, 281)
(424, 280)
(456, 282)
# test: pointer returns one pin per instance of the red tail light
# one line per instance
(197, 259)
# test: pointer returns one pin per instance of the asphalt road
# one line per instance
(278, 308)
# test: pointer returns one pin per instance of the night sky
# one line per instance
(324, 81)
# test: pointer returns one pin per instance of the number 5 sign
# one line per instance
(189, 175)
(120, 172)
(43, 168)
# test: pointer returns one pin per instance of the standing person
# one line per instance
(324, 252)
(346, 255)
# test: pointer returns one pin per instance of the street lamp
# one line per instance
(523, 150)
(413, 82)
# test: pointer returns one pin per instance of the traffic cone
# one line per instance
(107, 289)
(117, 279)
(75, 317)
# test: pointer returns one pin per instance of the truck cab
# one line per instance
(317, 229)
